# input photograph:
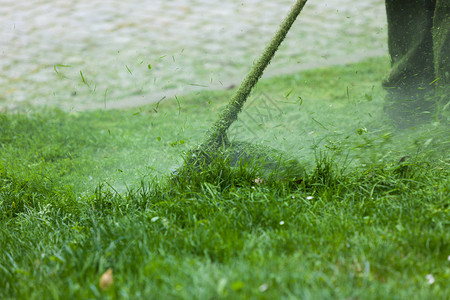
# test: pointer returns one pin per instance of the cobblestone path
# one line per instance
(89, 54)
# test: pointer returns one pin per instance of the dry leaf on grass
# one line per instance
(107, 279)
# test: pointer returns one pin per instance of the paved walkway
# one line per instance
(89, 54)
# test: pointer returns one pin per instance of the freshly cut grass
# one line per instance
(83, 193)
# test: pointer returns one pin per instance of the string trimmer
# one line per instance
(216, 140)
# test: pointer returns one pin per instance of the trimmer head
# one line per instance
(216, 140)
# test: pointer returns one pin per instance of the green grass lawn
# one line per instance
(81, 193)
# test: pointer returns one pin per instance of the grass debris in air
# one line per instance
(89, 209)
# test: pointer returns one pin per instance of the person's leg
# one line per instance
(441, 46)
(410, 45)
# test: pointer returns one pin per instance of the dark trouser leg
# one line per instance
(441, 46)
(410, 45)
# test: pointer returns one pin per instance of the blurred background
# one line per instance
(88, 54)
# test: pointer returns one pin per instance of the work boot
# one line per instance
(408, 108)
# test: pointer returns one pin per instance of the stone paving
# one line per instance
(90, 54)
